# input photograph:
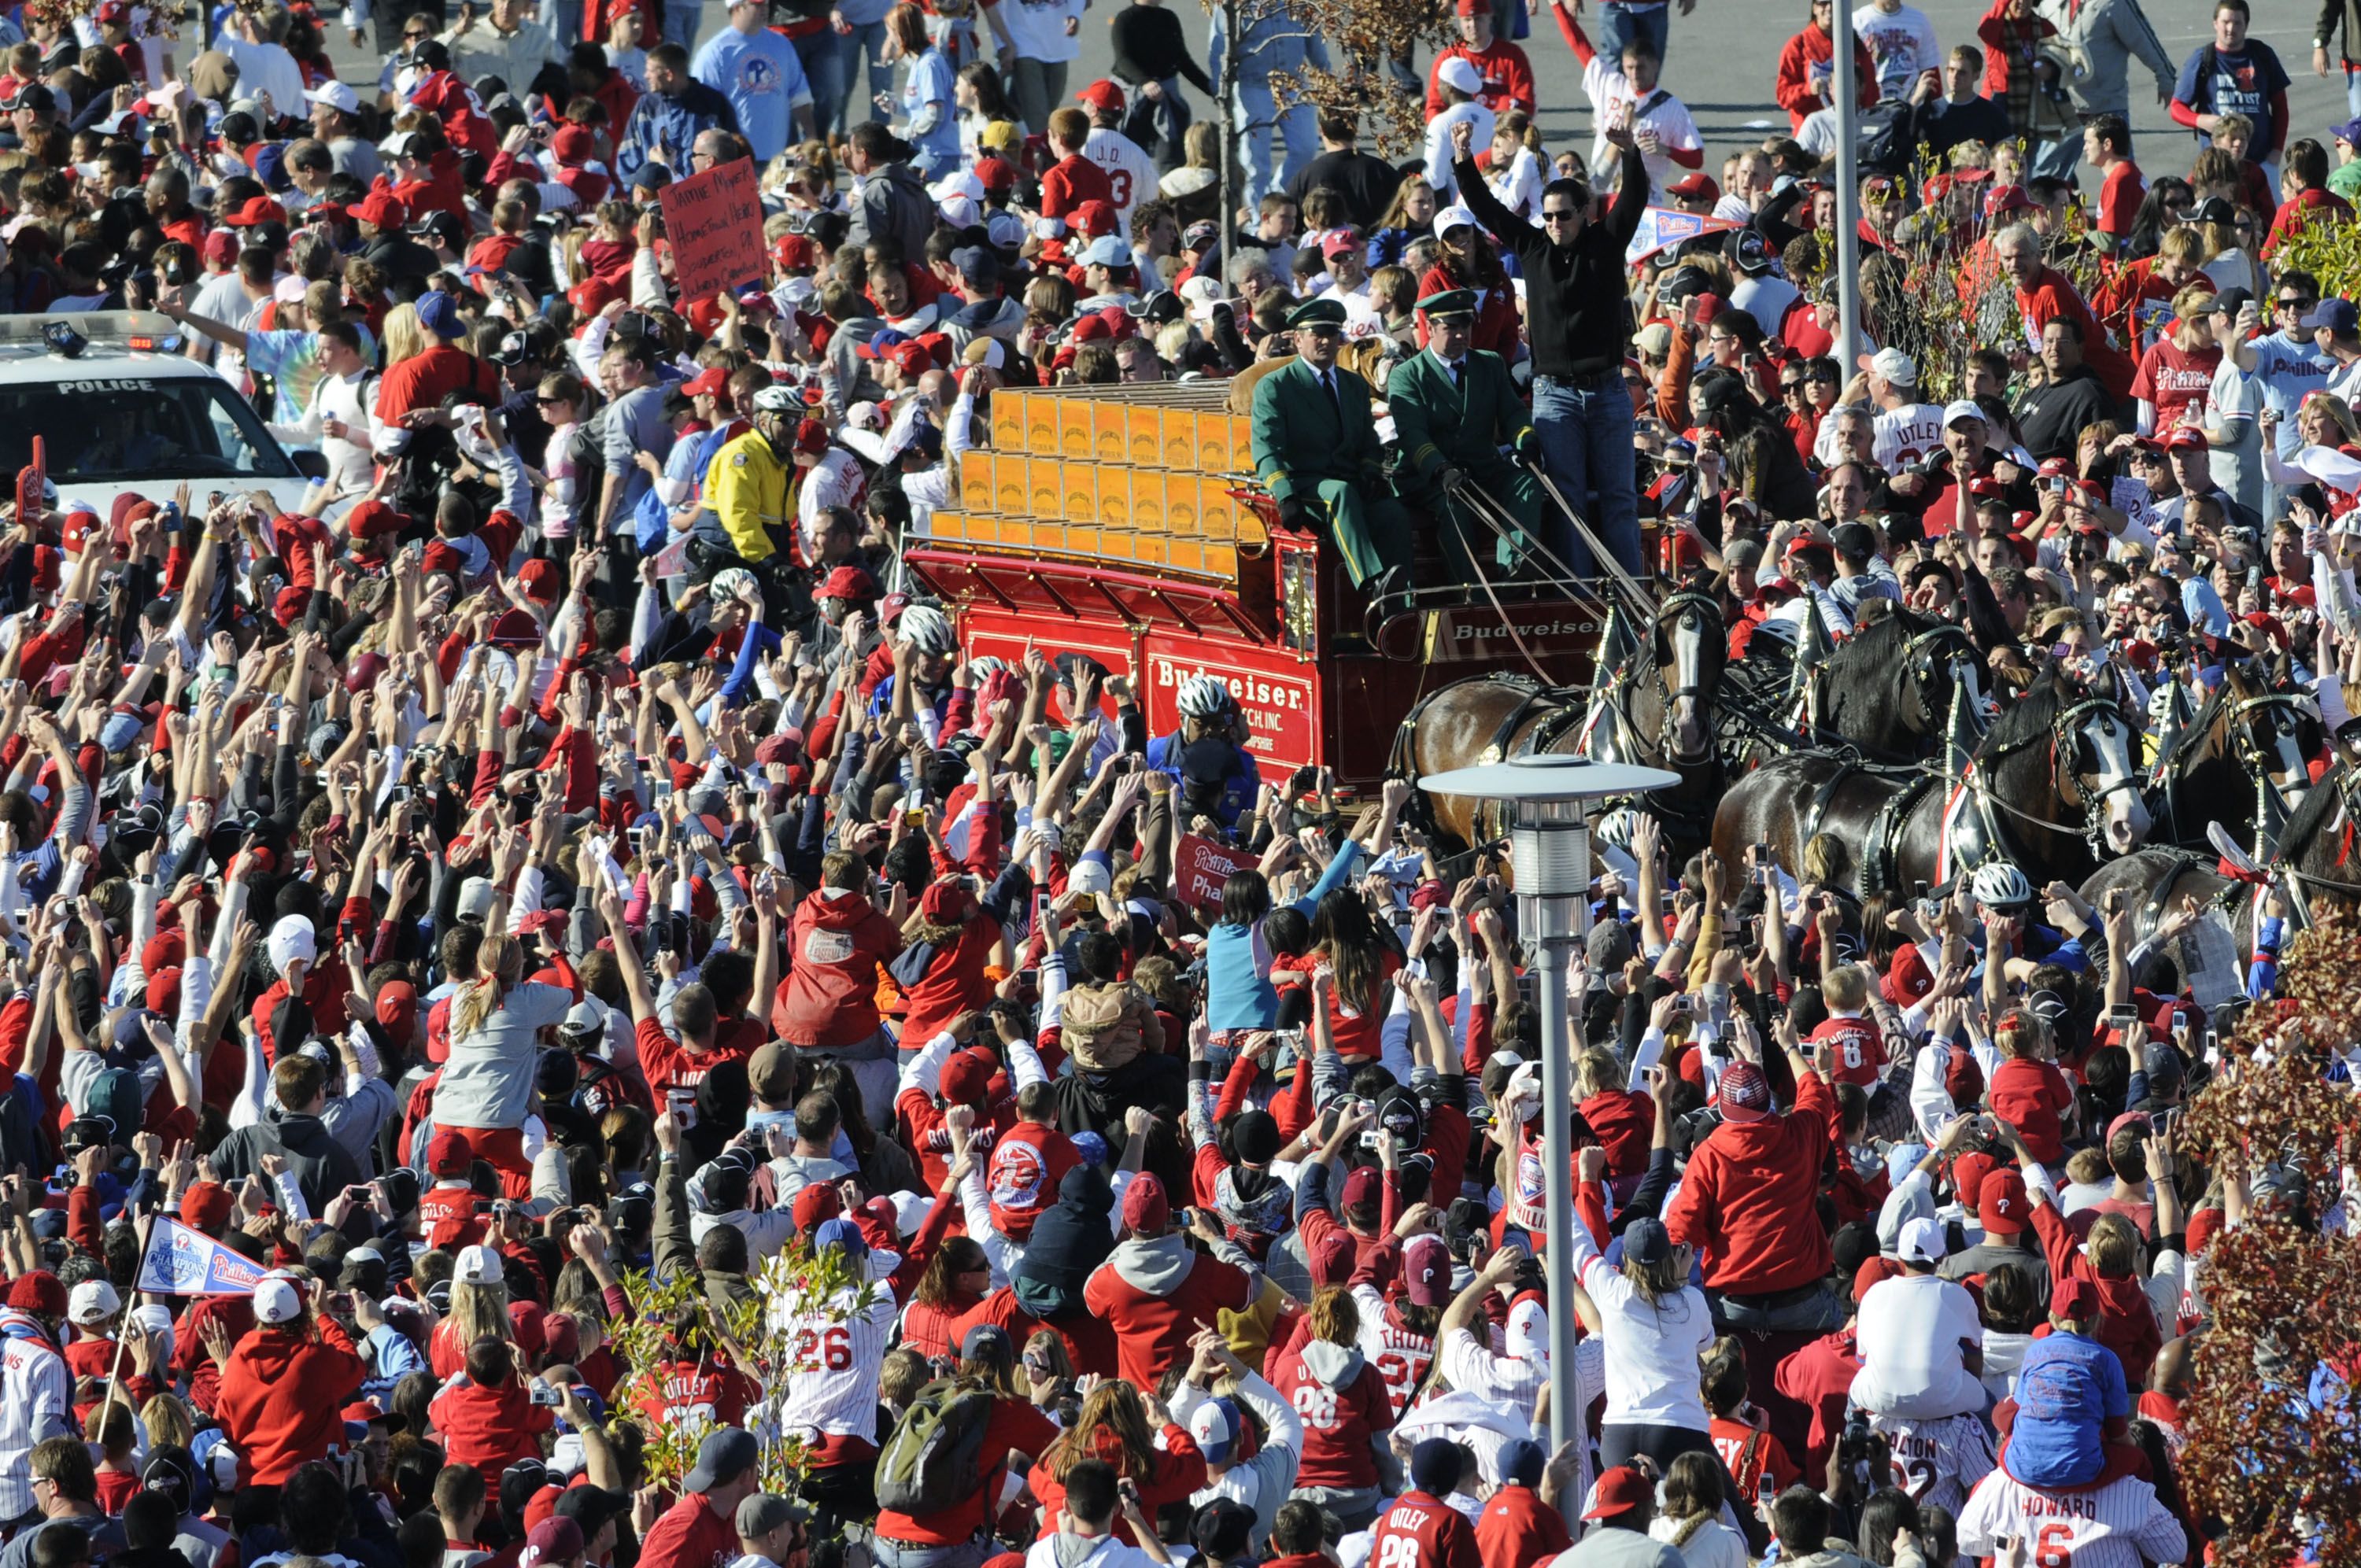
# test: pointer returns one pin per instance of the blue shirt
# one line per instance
(2213, 82)
(1238, 993)
(2288, 371)
(2067, 1390)
(763, 77)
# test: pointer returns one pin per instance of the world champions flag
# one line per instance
(1663, 227)
(183, 1262)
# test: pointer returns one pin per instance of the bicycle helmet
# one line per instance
(927, 629)
(2000, 885)
(1203, 697)
(736, 583)
(775, 399)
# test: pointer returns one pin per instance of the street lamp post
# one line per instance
(1548, 853)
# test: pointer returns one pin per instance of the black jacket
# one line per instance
(2052, 418)
(1576, 314)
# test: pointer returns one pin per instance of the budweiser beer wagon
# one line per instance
(1126, 522)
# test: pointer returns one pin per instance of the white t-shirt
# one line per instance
(1519, 186)
(1902, 42)
(1652, 1352)
(267, 68)
(1902, 436)
(1037, 28)
(1910, 1331)
(1606, 86)
(1131, 173)
(1438, 143)
(1767, 297)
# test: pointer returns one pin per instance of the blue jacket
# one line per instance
(1238, 993)
(2068, 1388)
(662, 129)
(1239, 785)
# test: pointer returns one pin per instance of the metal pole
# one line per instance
(1844, 92)
(1557, 922)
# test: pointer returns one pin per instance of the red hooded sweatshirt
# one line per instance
(1517, 1529)
(488, 1428)
(1748, 1201)
(828, 1000)
(283, 1396)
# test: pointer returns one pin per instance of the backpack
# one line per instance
(934, 1461)
(1884, 138)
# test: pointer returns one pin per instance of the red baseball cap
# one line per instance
(1103, 95)
(2186, 438)
(1621, 1489)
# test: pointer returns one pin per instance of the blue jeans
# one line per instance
(828, 72)
(1586, 434)
(1619, 25)
(566, 18)
(681, 20)
(866, 38)
(1298, 135)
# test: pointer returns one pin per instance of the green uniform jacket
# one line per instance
(1438, 424)
(1297, 441)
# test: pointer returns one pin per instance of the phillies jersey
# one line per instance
(1937, 1462)
(1900, 437)
(1400, 1357)
(1856, 1049)
(1418, 1532)
(1341, 1413)
(447, 1215)
(1131, 173)
(835, 1351)
(2118, 1525)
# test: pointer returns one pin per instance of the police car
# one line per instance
(119, 408)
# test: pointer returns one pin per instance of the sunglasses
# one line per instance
(2298, 304)
(415, 38)
(1559, 215)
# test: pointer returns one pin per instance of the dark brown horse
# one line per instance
(2053, 787)
(1654, 710)
(2239, 762)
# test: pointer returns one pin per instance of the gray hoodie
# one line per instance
(1160, 1268)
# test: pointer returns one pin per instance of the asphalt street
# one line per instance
(1723, 56)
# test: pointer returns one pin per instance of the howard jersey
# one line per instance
(1937, 1462)
(835, 1352)
(1400, 1357)
(2118, 1525)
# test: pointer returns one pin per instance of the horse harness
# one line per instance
(1880, 852)
(1559, 714)
(2250, 758)
(2062, 735)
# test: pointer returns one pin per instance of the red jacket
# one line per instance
(1748, 1201)
(2126, 1322)
(1013, 1426)
(2030, 1096)
(488, 1428)
(1518, 1529)
(1027, 1163)
(1342, 1412)
(283, 1398)
(1154, 1295)
(828, 1000)
(1819, 1376)
(1796, 92)
(1508, 77)
(955, 983)
(1625, 1120)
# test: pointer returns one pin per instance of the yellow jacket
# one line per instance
(746, 487)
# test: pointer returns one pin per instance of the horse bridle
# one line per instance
(2064, 737)
(2252, 757)
(1918, 662)
(1679, 607)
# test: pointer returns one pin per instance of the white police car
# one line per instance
(119, 408)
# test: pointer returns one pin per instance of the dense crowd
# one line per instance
(636, 1047)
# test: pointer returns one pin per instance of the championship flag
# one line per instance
(183, 1262)
(1663, 228)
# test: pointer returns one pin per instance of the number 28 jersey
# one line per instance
(835, 1352)
(1418, 1532)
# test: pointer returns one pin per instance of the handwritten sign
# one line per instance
(714, 221)
(1202, 866)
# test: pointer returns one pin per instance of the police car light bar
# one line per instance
(140, 332)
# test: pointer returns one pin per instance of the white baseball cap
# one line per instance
(479, 1266)
(336, 95)
(1454, 217)
(1922, 1241)
(1954, 412)
(93, 1302)
(1459, 73)
(276, 1299)
(1892, 365)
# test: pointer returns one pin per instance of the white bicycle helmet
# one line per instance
(1203, 697)
(779, 401)
(2000, 885)
(736, 583)
(927, 629)
(985, 667)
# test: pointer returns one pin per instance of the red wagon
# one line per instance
(1126, 522)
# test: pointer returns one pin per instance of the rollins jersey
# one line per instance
(1400, 1357)
(2118, 1525)
(1937, 1462)
(1856, 1047)
(835, 1352)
